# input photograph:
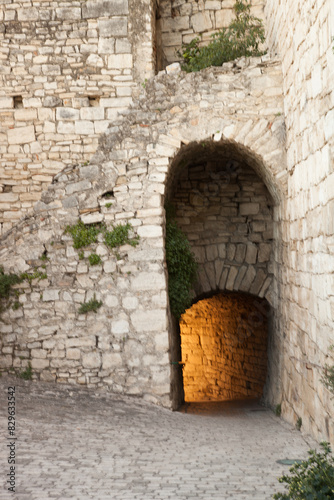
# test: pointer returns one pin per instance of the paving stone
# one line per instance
(81, 444)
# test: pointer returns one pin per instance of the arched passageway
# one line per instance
(226, 210)
(224, 348)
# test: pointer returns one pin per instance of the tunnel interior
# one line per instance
(224, 348)
(224, 207)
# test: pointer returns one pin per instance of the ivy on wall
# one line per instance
(181, 264)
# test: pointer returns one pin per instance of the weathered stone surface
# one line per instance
(21, 135)
(50, 295)
(102, 8)
(91, 360)
(149, 321)
(148, 281)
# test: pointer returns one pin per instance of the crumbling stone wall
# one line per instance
(180, 21)
(127, 344)
(224, 348)
(67, 70)
(301, 32)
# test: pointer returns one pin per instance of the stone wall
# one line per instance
(226, 212)
(224, 348)
(302, 32)
(180, 21)
(67, 69)
(128, 344)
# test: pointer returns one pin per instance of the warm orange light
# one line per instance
(224, 348)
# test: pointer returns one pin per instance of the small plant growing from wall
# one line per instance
(242, 38)
(328, 376)
(7, 281)
(84, 235)
(310, 479)
(181, 264)
(92, 305)
(120, 236)
(94, 259)
(27, 373)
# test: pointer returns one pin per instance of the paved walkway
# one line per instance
(74, 443)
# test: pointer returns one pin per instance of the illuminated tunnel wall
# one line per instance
(224, 348)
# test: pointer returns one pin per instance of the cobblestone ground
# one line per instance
(74, 443)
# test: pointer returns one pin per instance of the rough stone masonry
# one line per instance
(66, 70)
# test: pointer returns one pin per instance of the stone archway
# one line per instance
(229, 215)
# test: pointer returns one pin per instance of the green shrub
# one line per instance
(182, 267)
(242, 38)
(312, 479)
(83, 235)
(91, 305)
(94, 259)
(119, 236)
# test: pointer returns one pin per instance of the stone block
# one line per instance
(65, 128)
(67, 114)
(251, 253)
(223, 18)
(91, 360)
(173, 69)
(95, 60)
(40, 364)
(25, 114)
(8, 197)
(21, 135)
(120, 327)
(213, 5)
(149, 231)
(38, 353)
(78, 186)
(111, 301)
(50, 295)
(107, 46)
(180, 23)
(101, 126)
(111, 360)
(149, 321)
(148, 281)
(120, 61)
(113, 27)
(51, 69)
(84, 127)
(69, 13)
(92, 113)
(264, 252)
(130, 302)
(172, 39)
(51, 101)
(123, 46)
(6, 102)
(28, 14)
(231, 278)
(73, 354)
(93, 9)
(249, 208)
(248, 279)
(201, 22)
